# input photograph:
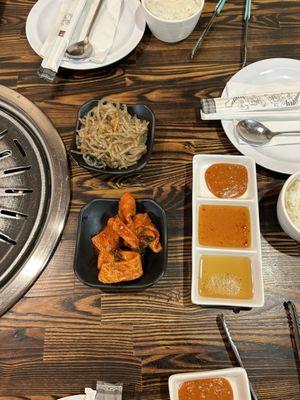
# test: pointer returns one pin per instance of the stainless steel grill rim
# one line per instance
(52, 215)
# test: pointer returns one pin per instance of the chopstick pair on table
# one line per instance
(217, 11)
(294, 326)
(295, 335)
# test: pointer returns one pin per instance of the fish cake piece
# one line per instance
(107, 239)
(127, 208)
(105, 257)
(121, 271)
(123, 231)
(155, 244)
(147, 232)
(140, 221)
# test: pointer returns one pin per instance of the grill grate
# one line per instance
(34, 194)
(23, 173)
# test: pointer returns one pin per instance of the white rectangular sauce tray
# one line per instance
(203, 196)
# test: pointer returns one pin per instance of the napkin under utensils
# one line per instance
(276, 105)
(105, 391)
(71, 24)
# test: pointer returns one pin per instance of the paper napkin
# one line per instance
(260, 102)
(90, 394)
(70, 26)
(105, 391)
(104, 29)
(273, 124)
(283, 120)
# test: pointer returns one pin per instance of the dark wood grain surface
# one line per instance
(63, 336)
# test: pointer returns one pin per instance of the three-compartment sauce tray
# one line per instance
(226, 247)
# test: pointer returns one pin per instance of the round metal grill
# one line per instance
(23, 177)
(34, 194)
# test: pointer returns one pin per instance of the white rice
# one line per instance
(173, 9)
(292, 202)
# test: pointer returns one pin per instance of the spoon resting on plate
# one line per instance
(83, 49)
(257, 134)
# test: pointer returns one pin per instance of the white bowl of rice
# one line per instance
(172, 20)
(288, 207)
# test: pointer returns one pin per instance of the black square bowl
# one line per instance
(92, 219)
(142, 112)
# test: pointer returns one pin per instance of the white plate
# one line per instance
(129, 32)
(202, 195)
(76, 397)
(281, 158)
(237, 378)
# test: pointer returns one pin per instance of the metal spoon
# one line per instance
(255, 133)
(83, 49)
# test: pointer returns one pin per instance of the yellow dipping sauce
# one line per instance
(226, 277)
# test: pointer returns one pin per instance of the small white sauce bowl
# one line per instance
(171, 31)
(237, 378)
(283, 217)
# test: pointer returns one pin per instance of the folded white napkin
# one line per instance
(59, 37)
(260, 102)
(105, 391)
(104, 29)
(78, 14)
(90, 394)
(275, 125)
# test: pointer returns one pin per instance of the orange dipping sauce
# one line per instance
(206, 389)
(224, 226)
(227, 181)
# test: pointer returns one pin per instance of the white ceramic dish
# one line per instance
(237, 378)
(285, 221)
(202, 195)
(129, 32)
(281, 158)
(75, 397)
(172, 31)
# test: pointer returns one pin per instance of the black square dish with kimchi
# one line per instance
(91, 264)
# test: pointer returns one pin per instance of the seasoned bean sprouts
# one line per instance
(110, 137)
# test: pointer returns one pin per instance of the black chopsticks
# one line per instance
(294, 325)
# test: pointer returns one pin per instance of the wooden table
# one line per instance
(63, 336)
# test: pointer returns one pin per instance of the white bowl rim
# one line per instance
(224, 372)
(283, 191)
(171, 21)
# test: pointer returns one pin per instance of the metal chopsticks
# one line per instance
(217, 11)
(293, 318)
(222, 322)
(247, 16)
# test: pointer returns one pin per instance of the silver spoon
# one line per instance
(83, 49)
(255, 133)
